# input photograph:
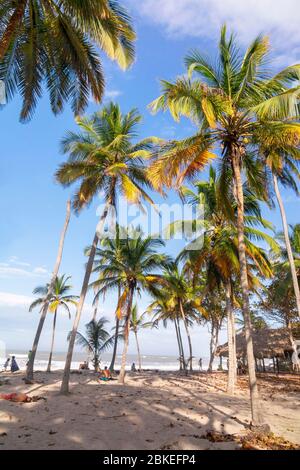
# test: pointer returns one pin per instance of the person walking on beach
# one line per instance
(6, 364)
(200, 363)
(14, 366)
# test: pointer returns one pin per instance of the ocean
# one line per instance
(151, 362)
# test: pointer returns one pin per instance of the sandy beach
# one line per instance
(161, 410)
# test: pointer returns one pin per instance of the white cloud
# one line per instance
(203, 18)
(16, 268)
(40, 270)
(112, 94)
(8, 299)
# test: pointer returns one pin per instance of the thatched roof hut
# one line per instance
(267, 343)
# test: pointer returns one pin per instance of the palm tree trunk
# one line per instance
(121, 379)
(213, 346)
(30, 365)
(179, 347)
(181, 344)
(188, 335)
(64, 389)
(52, 342)
(12, 28)
(288, 249)
(113, 359)
(231, 380)
(254, 395)
(138, 351)
(95, 308)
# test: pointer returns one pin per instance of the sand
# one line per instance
(151, 411)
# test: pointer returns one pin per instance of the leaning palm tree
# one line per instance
(230, 103)
(279, 145)
(102, 157)
(60, 299)
(134, 269)
(138, 323)
(96, 341)
(53, 44)
(30, 364)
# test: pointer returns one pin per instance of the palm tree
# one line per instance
(182, 298)
(103, 158)
(230, 103)
(137, 323)
(165, 308)
(217, 259)
(280, 149)
(54, 44)
(214, 302)
(133, 268)
(60, 299)
(96, 341)
(30, 364)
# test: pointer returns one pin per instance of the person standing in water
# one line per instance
(200, 363)
(14, 366)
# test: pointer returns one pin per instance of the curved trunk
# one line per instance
(30, 365)
(52, 341)
(95, 308)
(254, 395)
(12, 28)
(113, 359)
(188, 335)
(64, 389)
(231, 380)
(213, 345)
(138, 351)
(121, 379)
(179, 347)
(289, 253)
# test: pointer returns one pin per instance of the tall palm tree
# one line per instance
(96, 341)
(30, 364)
(103, 158)
(280, 147)
(134, 269)
(53, 43)
(60, 299)
(219, 256)
(137, 323)
(230, 102)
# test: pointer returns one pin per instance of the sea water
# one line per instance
(151, 362)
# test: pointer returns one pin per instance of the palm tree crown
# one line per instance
(97, 339)
(53, 43)
(102, 157)
(60, 297)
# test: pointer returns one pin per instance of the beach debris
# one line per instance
(20, 397)
(266, 441)
(214, 436)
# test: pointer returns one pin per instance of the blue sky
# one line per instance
(32, 205)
